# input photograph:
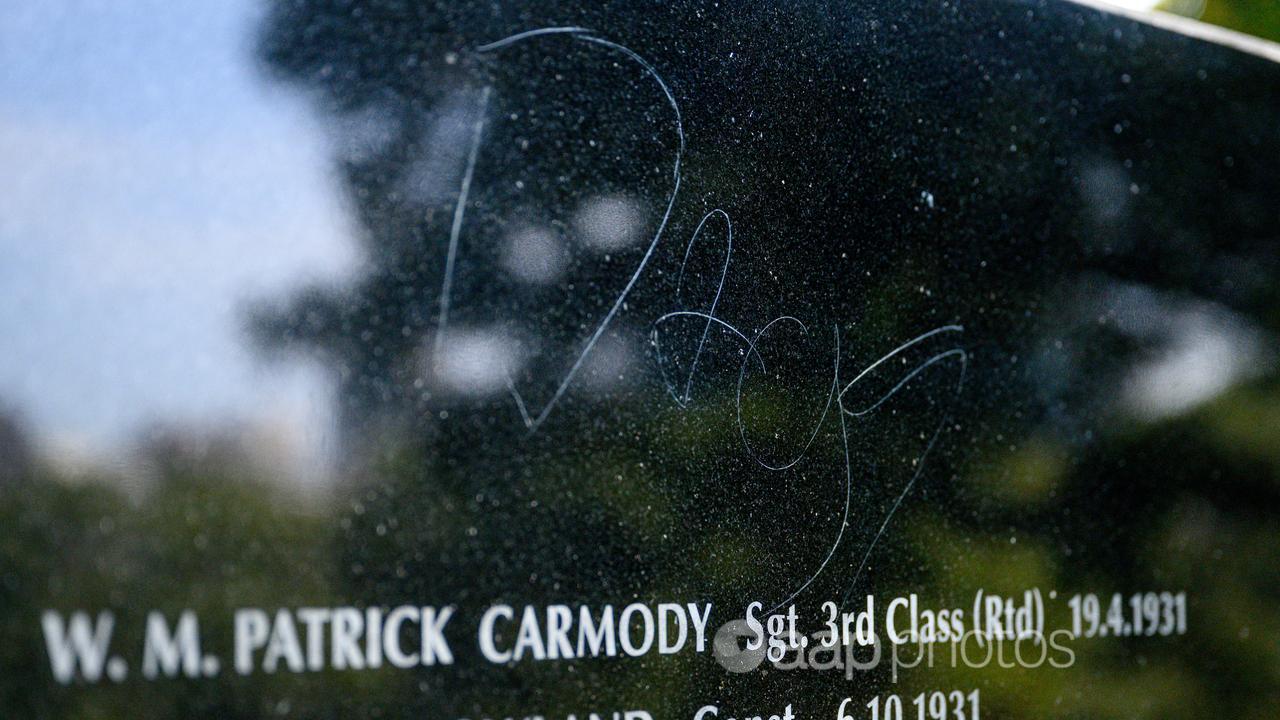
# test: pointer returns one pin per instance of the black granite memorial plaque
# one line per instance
(638, 361)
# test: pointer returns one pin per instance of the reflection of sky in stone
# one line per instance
(152, 183)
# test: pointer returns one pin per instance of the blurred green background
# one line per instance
(1255, 17)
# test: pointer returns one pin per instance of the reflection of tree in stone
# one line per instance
(201, 530)
(619, 494)
(498, 207)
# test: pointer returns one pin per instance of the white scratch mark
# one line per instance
(459, 211)
(848, 492)
(512, 39)
(535, 421)
(742, 372)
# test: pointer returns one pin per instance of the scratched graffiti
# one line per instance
(679, 374)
